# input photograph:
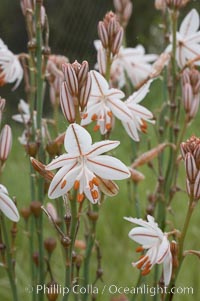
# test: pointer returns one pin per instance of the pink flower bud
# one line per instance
(52, 211)
(2, 106)
(118, 5)
(70, 78)
(190, 166)
(117, 41)
(128, 11)
(102, 60)
(197, 187)
(67, 103)
(112, 27)
(82, 74)
(5, 142)
(103, 35)
(187, 97)
(85, 92)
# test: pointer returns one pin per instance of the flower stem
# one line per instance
(9, 266)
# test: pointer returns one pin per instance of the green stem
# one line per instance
(181, 245)
(9, 266)
(108, 65)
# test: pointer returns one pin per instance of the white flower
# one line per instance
(188, 40)
(25, 115)
(139, 114)
(82, 164)
(10, 67)
(103, 103)
(131, 61)
(7, 206)
(156, 245)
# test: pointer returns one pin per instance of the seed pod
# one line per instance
(35, 207)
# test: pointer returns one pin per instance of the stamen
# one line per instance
(63, 184)
(110, 114)
(108, 126)
(91, 185)
(94, 117)
(76, 185)
(96, 128)
(95, 194)
(85, 115)
(144, 126)
(141, 262)
(145, 272)
(139, 249)
(95, 181)
(80, 197)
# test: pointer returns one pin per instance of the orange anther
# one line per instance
(95, 194)
(110, 114)
(94, 117)
(76, 185)
(96, 128)
(80, 197)
(143, 126)
(143, 260)
(145, 272)
(91, 185)
(63, 184)
(139, 249)
(85, 115)
(108, 126)
(95, 181)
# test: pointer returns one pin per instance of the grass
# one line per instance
(112, 230)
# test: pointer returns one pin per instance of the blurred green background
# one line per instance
(72, 32)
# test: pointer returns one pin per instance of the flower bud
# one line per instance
(50, 244)
(136, 176)
(160, 4)
(2, 106)
(25, 212)
(5, 142)
(83, 74)
(85, 92)
(117, 41)
(70, 78)
(197, 187)
(52, 291)
(103, 35)
(35, 207)
(67, 103)
(190, 166)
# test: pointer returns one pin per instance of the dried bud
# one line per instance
(149, 155)
(93, 215)
(53, 148)
(35, 257)
(174, 252)
(159, 64)
(136, 176)
(50, 244)
(26, 6)
(80, 244)
(52, 291)
(174, 4)
(35, 207)
(40, 167)
(25, 212)
(5, 142)
(79, 260)
(66, 242)
(108, 187)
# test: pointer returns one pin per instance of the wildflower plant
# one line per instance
(73, 165)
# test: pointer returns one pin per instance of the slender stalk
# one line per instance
(108, 65)
(191, 207)
(9, 262)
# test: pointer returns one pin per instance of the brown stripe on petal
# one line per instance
(108, 166)
(119, 108)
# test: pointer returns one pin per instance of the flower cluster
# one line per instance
(75, 89)
(191, 155)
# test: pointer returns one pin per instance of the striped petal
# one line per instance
(102, 147)
(7, 206)
(167, 268)
(63, 160)
(190, 24)
(108, 168)
(119, 109)
(77, 140)
(144, 236)
(99, 84)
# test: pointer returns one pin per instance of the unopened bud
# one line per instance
(5, 142)
(35, 257)
(25, 212)
(50, 244)
(83, 73)
(93, 215)
(103, 35)
(70, 78)
(197, 187)
(117, 41)
(136, 176)
(35, 207)
(52, 291)
(67, 103)
(190, 167)
(85, 92)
